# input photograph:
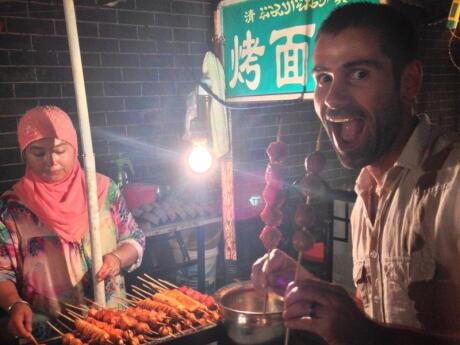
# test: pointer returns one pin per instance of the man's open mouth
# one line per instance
(347, 131)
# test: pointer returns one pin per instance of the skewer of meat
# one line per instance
(166, 287)
(274, 198)
(305, 219)
(122, 320)
(198, 308)
(205, 299)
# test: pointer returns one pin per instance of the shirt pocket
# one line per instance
(362, 279)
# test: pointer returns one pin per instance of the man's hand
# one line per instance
(111, 266)
(326, 310)
(275, 270)
(20, 322)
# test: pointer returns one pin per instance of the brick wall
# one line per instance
(140, 60)
(440, 95)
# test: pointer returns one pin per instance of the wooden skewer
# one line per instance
(74, 306)
(124, 306)
(33, 339)
(54, 328)
(265, 301)
(148, 294)
(168, 283)
(64, 325)
(135, 298)
(75, 315)
(266, 291)
(160, 288)
(93, 302)
(149, 277)
(161, 284)
(296, 277)
(140, 294)
(153, 280)
(150, 288)
(125, 300)
(152, 285)
(66, 317)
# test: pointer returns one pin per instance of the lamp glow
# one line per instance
(200, 159)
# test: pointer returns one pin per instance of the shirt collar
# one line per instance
(415, 149)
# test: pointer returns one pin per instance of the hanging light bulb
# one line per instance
(199, 159)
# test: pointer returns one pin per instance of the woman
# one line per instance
(45, 254)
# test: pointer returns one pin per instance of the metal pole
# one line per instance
(88, 155)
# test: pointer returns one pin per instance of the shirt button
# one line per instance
(374, 254)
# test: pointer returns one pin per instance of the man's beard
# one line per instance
(383, 128)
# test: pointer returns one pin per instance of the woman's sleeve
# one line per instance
(127, 229)
(7, 255)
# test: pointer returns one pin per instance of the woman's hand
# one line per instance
(20, 322)
(275, 270)
(111, 267)
(327, 310)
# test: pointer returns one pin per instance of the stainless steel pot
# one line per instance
(243, 316)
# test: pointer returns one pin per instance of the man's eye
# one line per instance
(360, 74)
(323, 78)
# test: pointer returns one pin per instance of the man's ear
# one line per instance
(411, 81)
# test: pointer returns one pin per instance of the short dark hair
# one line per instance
(397, 35)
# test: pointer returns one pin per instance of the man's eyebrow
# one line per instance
(319, 68)
(363, 62)
(351, 64)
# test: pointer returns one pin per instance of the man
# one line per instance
(406, 235)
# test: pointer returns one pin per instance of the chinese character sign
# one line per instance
(268, 45)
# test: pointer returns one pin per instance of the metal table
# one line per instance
(198, 223)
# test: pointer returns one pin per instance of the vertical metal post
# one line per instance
(88, 155)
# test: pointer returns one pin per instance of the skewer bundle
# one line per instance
(161, 310)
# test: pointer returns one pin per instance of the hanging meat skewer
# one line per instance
(273, 194)
(305, 215)
(312, 187)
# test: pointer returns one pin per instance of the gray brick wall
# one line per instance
(140, 60)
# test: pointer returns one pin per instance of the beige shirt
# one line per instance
(416, 233)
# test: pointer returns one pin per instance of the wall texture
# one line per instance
(140, 59)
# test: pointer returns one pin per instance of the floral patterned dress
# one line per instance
(49, 271)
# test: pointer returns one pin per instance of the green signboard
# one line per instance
(268, 45)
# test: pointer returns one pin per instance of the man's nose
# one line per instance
(337, 95)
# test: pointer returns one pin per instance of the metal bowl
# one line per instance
(243, 316)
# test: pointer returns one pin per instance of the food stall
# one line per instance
(262, 57)
(157, 311)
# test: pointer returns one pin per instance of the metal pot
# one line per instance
(243, 316)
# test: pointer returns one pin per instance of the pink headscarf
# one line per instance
(61, 206)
